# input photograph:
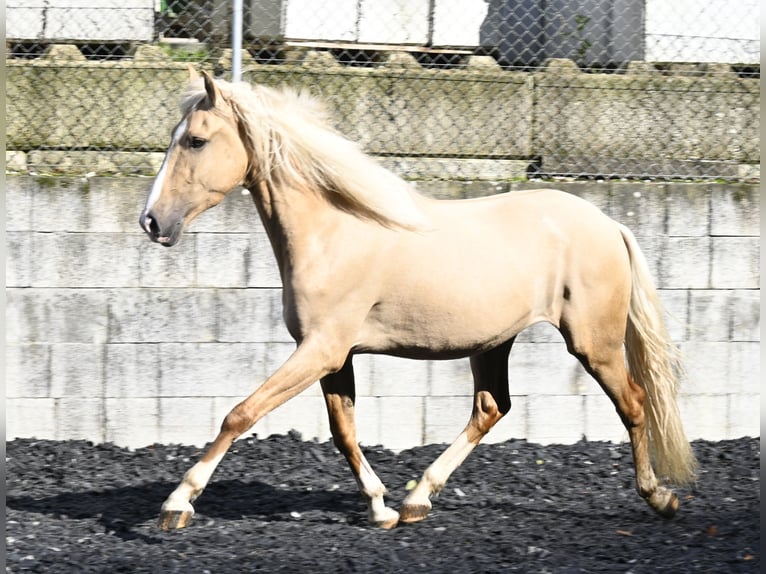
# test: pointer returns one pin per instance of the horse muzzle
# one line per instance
(164, 235)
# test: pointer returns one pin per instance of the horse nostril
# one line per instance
(154, 228)
(149, 224)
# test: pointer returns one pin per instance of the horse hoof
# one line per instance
(174, 519)
(387, 524)
(387, 519)
(664, 502)
(410, 513)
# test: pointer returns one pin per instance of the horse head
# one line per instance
(205, 161)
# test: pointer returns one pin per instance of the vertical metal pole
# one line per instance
(236, 41)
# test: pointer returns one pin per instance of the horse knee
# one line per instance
(236, 422)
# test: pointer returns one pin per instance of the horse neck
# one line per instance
(291, 218)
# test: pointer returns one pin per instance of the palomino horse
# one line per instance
(370, 266)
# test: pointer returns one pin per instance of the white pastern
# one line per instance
(194, 482)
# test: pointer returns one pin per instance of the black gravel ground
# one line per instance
(284, 505)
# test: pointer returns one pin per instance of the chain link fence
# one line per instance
(437, 88)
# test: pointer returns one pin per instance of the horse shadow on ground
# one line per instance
(125, 511)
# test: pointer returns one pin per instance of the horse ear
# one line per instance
(210, 88)
(193, 74)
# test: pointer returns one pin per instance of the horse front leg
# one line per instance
(309, 363)
(339, 393)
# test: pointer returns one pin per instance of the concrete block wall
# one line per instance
(112, 338)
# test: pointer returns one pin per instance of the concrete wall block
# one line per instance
(163, 267)
(28, 370)
(556, 419)
(162, 315)
(250, 315)
(704, 416)
(77, 370)
(744, 367)
(305, 414)
(82, 418)
(539, 333)
(186, 420)
(513, 425)
(736, 262)
(602, 421)
(709, 315)
(110, 20)
(384, 376)
(113, 206)
(223, 260)
(688, 210)
(235, 214)
(87, 205)
(685, 263)
(676, 305)
(642, 211)
(450, 378)
(19, 194)
(55, 316)
(336, 21)
(394, 22)
(262, 270)
(132, 422)
(132, 370)
(705, 364)
(724, 315)
(446, 417)
(30, 418)
(746, 315)
(402, 423)
(18, 260)
(721, 367)
(736, 211)
(547, 369)
(60, 206)
(744, 416)
(217, 369)
(653, 248)
(464, 30)
(83, 260)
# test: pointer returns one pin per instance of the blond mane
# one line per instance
(293, 144)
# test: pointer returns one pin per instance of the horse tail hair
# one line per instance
(654, 363)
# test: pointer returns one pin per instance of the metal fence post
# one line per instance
(236, 41)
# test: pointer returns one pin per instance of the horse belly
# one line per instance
(447, 308)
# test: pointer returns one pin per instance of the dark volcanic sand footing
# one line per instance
(284, 505)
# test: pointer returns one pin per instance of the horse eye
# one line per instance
(196, 143)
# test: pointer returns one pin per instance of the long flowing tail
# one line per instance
(654, 364)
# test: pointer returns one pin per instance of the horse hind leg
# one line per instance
(339, 394)
(491, 402)
(606, 363)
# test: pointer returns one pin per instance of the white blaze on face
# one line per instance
(154, 194)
